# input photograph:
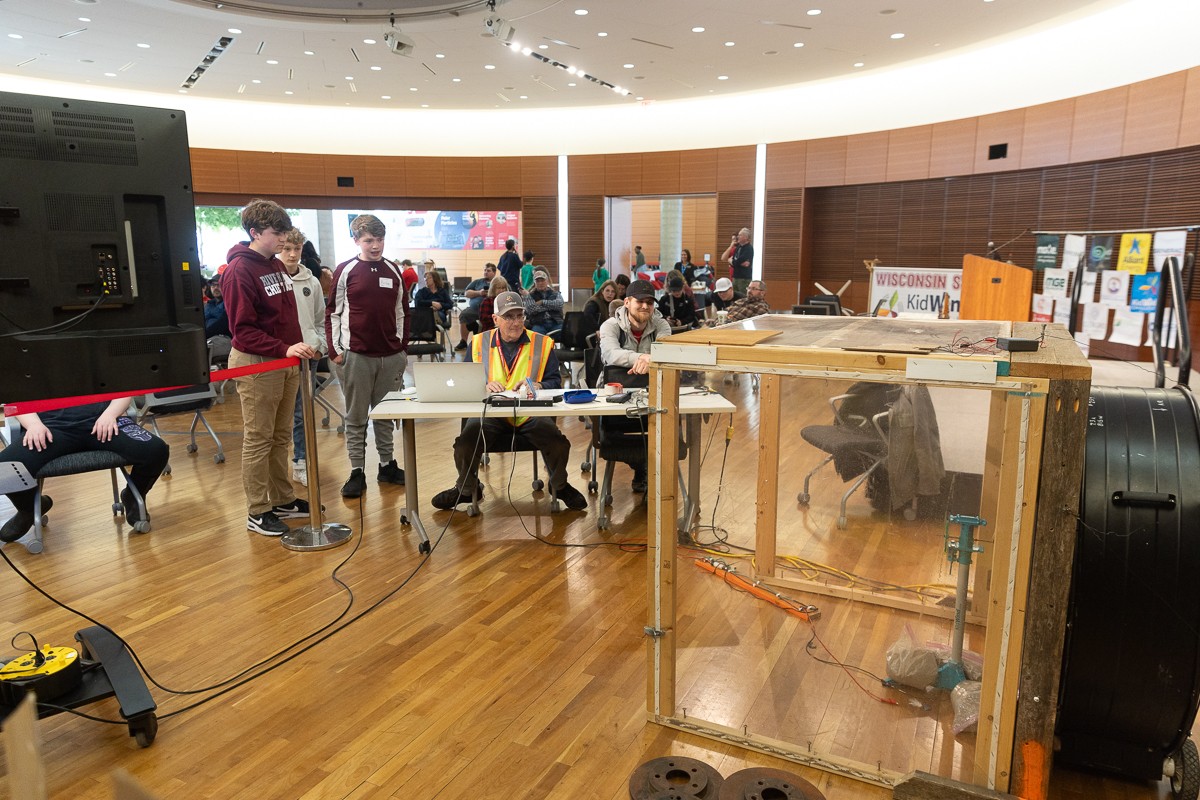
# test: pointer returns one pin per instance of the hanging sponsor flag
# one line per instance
(1144, 297)
(1100, 253)
(1135, 253)
(1062, 312)
(1166, 333)
(1095, 320)
(1054, 282)
(916, 292)
(1114, 288)
(1167, 244)
(1047, 251)
(1087, 292)
(1127, 327)
(1043, 308)
(1073, 250)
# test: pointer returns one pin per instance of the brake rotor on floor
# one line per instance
(674, 776)
(763, 783)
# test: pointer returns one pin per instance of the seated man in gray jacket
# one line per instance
(625, 340)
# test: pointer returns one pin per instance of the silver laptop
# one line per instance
(449, 382)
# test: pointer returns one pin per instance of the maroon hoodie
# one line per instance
(260, 303)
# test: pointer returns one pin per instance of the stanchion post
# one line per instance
(316, 535)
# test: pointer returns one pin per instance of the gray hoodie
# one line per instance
(617, 345)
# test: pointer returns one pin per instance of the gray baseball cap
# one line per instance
(508, 301)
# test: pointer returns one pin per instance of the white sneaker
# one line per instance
(300, 472)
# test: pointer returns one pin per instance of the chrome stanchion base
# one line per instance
(331, 534)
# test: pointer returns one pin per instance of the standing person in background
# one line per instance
(265, 326)
(364, 326)
(694, 273)
(740, 255)
(639, 259)
(509, 265)
(527, 272)
(599, 275)
(310, 305)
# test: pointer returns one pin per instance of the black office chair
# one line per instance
(813, 309)
(573, 344)
(423, 335)
(508, 442)
(856, 442)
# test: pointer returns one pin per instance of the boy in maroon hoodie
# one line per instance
(265, 326)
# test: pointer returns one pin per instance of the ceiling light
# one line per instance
(438, 55)
(729, 44)
(256, 80)
(581, 12)
(309, 53)
(602, 34)
(639, 97)
(376, 69)
(722, 77)
(524, 97)
(85, 19)
(859, 64)
(571, 70)
(272, 61)
(110, 74)
(15, 36)
(627, 66)
(412, 88)
(570, 84)
(349, 77)
(235, 31)
(798, 44)
(813, 12)
(424, 105)
(897, 35)
(456, 80)
(698, 29)
(489, 66)
(386, 97)
(289, 91)
(543, 47)
(368, 41)
(526, 51)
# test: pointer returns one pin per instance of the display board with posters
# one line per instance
(447, 230)
(914, 292)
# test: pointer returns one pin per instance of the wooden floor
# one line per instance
(511, 663)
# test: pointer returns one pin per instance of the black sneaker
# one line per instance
(639, 481)
(391, 473)
(20, 523)
(133, 513)
(571, 497)
(267, 524)
(451, 497)
(297, 509)
(462, 345)
(355, 485)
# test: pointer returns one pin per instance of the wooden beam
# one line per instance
(663, 457)
(923, 786)
(766, 512)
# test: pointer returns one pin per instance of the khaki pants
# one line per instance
(268, 400)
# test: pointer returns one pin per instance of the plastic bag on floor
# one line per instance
(964, 699)
(910, 664)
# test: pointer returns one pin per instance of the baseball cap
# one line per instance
(640, 290)
(541, 273)
(724, 285)
(675, 283)
(506, 302)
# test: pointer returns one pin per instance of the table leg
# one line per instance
(691, 513)
(411, 515)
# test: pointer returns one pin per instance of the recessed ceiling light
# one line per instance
(581, 12)
(627, 66)
(412, 88)
(349, 77)
(235, 31)
(272, 61)
(289, 91)
(85, 19)
(543, 47)
(256, 80)
(456, 80)
(439, 55)
(698, 29)
(376, 69)
(110, 74)
(570, 84)
(571, 70)
(309, 53)
(386, 97)
(798, 44)
(489, 66)
(897, 35)
(524, 97)
(602, 34)
(424, 105)
(15, 36)
(813, 12)
(859, 64)
(368, 41)
(722, 77)
(729, 44)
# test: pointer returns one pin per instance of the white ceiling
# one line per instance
(155, 45)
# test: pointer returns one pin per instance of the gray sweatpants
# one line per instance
(365, 380)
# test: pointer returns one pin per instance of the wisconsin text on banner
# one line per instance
(916, 292)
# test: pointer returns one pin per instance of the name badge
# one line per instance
(385, 283)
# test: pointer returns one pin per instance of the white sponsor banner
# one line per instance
(1062, 312)
(1095, 320)
(1072, 251)
(1127, 327)
(1166, 244)
(1114, 289)
(1054, 282)
(916, 292)
(1043, 308)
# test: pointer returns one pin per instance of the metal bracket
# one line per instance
(643, 411)
(654, 633)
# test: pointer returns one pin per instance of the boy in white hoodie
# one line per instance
(310, 305)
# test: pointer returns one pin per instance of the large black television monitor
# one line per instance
(99, 286)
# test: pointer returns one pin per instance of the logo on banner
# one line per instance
(1144, 297)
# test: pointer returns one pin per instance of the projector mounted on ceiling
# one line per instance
(399, 43)
(500, 28)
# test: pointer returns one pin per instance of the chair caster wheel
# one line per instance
(341, 428)
(593, 487)
(841, 523)
(485, 459)
(144, 730)
(191, 448)
(910, 514)
(602, 523)
(538, 486)
(34, 547)
(117, 508)
(219, 458)
(141, 527)
(167, 471)
(555, 506)
(472, 511)
(803, 498)
(424, 548)
(586, 466)
(608, 499)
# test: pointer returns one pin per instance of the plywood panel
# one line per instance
(260, 173)
(825, 162)
(1047, 137)
(539, 175)
(425, 176)
(354, 167)
(502, 177)
(908, 153)
(385, 176)
(785, 165)
(1004, 128)
(735, 168)
(866, 157)
(1099, 125)
(623, 174)
(585, 175)
(1189, 128)
(1153, 115)
(698, 171)
(660, 172)
(952, 148)
(303, 173)
(464, 176)
(214, 170)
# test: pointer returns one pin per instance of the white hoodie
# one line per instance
(310, 304)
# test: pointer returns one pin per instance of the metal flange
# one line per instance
(763, 783)
(672, 776)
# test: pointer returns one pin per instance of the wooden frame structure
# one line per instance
(1038, 417)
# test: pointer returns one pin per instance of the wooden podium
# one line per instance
(995, 290)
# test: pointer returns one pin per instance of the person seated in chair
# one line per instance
(625, 341)
(95, 426)
(476, 291)
(676, 306)
(543, 305)
(436, 295)
(510, 355)
(754, 304)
